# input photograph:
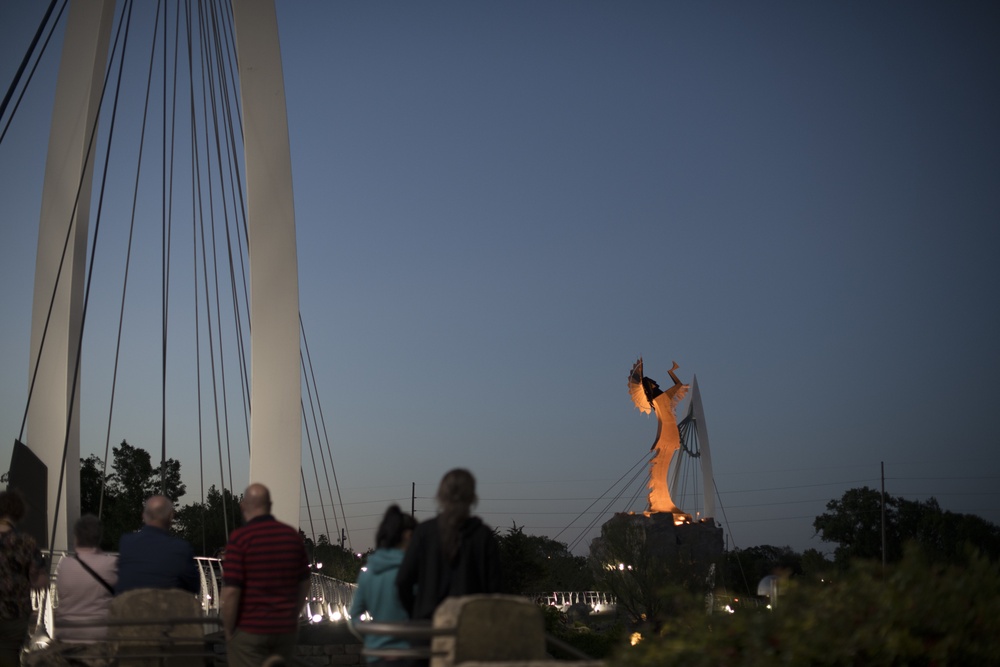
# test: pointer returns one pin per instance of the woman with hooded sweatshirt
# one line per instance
(452, 554)
(376, 592)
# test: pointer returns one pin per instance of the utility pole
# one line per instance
(413, 499)
(883, 517)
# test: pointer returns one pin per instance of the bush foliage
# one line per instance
(920, 612)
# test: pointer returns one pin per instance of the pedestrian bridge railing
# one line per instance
(328, 599)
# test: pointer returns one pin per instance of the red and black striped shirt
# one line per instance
(267, 561)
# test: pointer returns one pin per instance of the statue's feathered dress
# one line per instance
(647, 396)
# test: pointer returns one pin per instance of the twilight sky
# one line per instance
(500, 206)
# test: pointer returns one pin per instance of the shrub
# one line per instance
(918, 613)
(594, 642)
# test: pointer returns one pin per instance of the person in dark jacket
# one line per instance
(376, 593)
(153, 558)
(452, 554)
(21, 570)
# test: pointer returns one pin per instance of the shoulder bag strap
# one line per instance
(99, 578)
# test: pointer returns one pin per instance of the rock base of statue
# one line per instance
(691, 550)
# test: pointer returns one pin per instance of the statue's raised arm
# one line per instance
(647, 396)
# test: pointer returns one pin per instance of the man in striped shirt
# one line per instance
(265, 578)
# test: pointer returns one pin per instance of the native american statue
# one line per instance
(648, 396)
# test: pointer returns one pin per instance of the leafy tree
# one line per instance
(92, 478)
(854, 523)
(207, 525)
(744, 568)
(132, 480)
(135, 478)
(915, 613)
(816, 566)
(651, 584)
(333, 560)
(536, 564)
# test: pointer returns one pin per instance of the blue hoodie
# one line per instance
(376, 594)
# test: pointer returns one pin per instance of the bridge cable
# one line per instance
(31, 74)
(322, 456)
(169, 194)
(326, 435)
(725, 517)
(127, 10)
(128, 264)
(195, 218)
(312, 457)
(69, 233)
(639, 474)
(635, 496)
(208, 93)
(197, 374)
(166, 212)
(27, 57)
(598, 499)
(208, 300)
(219, 79)
(62, 258)
(602, 513)
(308, 506)
(238, 202)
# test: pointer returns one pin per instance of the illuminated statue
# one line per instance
(648, 396)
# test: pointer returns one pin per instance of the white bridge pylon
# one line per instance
(275, 389)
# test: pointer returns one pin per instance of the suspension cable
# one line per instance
(204, 264)
(31, 74)
(27, 57)
(639, 462)
(208, 17)
(221, 377)
(635, 496)
(725, 518)
(127, 10)
(309, 513)
(322, 455)
(195, 218)
(326, 436)
(215, 73)
(128, 264)
(607, 507)
(312, 457)
(239, 212)
(69, 233)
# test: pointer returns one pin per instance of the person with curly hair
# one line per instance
(21, 569)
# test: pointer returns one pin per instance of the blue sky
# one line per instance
(500, 206)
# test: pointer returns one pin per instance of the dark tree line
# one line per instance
(535, 563)
(132, 479)
(538, 564)
(854, 523)
(207, 525)
(333, 560)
